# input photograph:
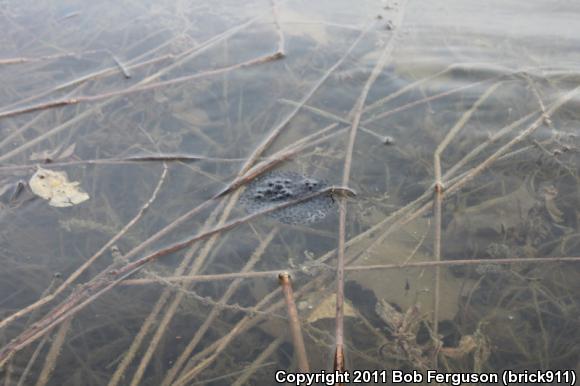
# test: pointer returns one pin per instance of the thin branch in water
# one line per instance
(259, 362)
(339, 362)
(282, 125)
(179, 60)
(421, 264)
(431, 98)
(281, 156)
(329, 115)
(137, 88)
(30, 363)
(199, 334)
(79, 271)
(48, 57)
(53, 353)
(295, 330)
(122, 67)
(281, 40)
(438, 200)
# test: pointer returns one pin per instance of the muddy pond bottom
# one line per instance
(277, 188)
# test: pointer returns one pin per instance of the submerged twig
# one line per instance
(53, 353)
(259, 362)
(47, 57)
(281, 40)
(421, 264)
(79, 271)
(138, 88)
(276, 131)
(186, 353)
(438, 200)
(179, 59)
(121, 66)
(339, 361)
(297, 338)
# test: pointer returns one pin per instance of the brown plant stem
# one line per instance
(273, 273)
(111, 277)
(135, 89)
(186, 353)
(293, 319)
(79, 271)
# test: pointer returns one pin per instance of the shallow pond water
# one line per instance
(456, 123)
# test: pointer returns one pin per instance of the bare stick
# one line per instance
(451, 263)
(425, 100)
(184, 56)
(329, 115)
(258, 362)
(280, 127)
(10, 137)
(408, 87)
(281, 40)
(297, 338)
(273, 274)
(281, 156)
(31, 361)
(111, 277)
(168, 315)
(339, 363)
(439, 199)
(48, 57)
(91, 260)
(121, 66)
(53, 353)
(131, 90)
(523, 134)
(186, 353)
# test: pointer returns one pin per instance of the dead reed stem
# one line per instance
(336, 118)
(479, 148)
(294, 320)
(281, 39)
(30, 363)
(186, 353)
(439, 188)
(407, 88)
(523, 134)
(53, 353)
(168, 315)
(79, 271)
(248, 174)
(107, 71)
(22, 60)
(179, 59)
(339, 363)
(172, 309)
(163, 299)
(136, 89)
(282, 125)
(258, 362)
(111, 277)
(273, 273)
(431, 98)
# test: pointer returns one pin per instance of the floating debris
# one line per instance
(280, 187)
(56, 188)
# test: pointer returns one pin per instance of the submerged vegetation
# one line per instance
(201, 225)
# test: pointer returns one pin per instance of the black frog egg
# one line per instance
(277, 188)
